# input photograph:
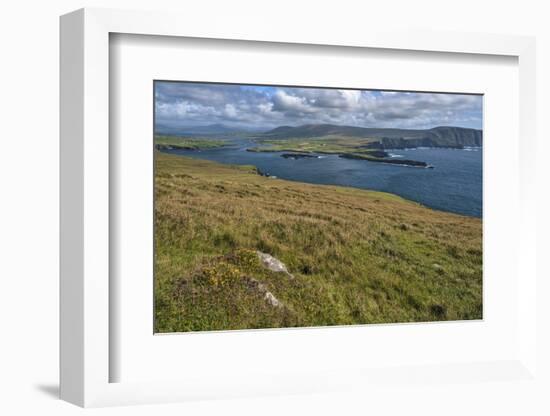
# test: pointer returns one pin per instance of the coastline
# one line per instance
(269, 175)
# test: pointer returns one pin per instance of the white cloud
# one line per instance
(292, 103)
(230, 111)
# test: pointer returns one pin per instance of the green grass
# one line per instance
(357, 256)
(187, 143)
(325, 144)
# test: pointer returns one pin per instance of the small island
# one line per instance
(403, 162)
(344, 147)
(299, 156)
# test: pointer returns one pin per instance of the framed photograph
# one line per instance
(245, 238)
(272, 213)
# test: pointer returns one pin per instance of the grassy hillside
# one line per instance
(381, 138)
(327, 144)
(189, 143)
(355, 256)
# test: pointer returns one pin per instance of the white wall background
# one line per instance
(29, 202)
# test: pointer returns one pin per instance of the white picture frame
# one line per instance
(85, 217)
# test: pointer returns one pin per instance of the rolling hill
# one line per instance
(384, 138)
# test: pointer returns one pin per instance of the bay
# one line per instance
(454, 184)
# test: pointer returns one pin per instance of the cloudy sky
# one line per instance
(181, 104)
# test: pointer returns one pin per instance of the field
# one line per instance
(188, 143)
(353, 256)
(326, 144)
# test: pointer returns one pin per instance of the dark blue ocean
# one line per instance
(454, 185)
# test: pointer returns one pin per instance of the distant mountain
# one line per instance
(315, 130)
(208, 130)
(444, 136)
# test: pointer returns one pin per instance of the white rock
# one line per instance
(273, 264)
(272, 300)
(267, 295)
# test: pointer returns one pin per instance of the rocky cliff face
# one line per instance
(449, 137)
(459, 136)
